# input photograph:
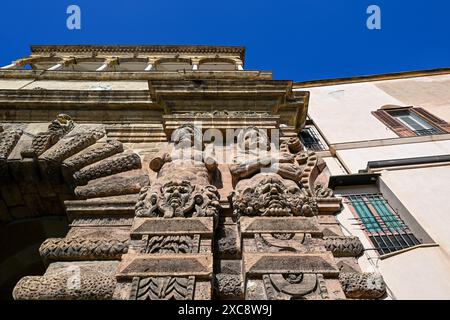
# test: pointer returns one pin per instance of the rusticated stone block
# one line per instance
(176, 265)
(344, 246)
(264, 263)
(362, 285)
(112, 186)
(71, 249)
(163, 226)
(251, 225)
(87, 285)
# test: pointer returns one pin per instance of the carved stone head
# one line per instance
(268, 194)
(252, 138)
(187, 136)
(177, 198)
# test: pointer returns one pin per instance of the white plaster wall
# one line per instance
(343, 112)
(425, 193)
(421, 273)
(88, 85)
(356, 159)
(334, 166)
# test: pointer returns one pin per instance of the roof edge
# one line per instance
(368, 78)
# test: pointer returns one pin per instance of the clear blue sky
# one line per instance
(297, 40)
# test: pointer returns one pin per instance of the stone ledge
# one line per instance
(175, 265)
(172, 226)
(264, 263)
(251, 225)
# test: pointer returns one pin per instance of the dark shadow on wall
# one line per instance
(19, 248)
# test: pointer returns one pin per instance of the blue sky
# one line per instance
(297, 40)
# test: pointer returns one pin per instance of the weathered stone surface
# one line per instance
(362, 285)
(263, 263)
(59, 127)
(279, 224)
(64, 149)
(70, 249)
(112, 186)
(161, 226)
(115, 164)
(145, 265)
(344, 246)
(70, 285)
(171, 244)
(229, 286)
(91, 155)
(162, 288)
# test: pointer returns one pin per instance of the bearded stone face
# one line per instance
(177, 194)
(269, 195)
(272, 197)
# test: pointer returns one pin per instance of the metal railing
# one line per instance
(384, 227)
(311, 139)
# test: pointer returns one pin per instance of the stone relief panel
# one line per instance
(59, 127)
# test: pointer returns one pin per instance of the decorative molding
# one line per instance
(88, 285)
(72, 249)
(163, 288)
(116, 164)
(145, 49)
(344, 246)
(172, 244)
(43, 141)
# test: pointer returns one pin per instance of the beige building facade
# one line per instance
(172, 172)
(409, 171)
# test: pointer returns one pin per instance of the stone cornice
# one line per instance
(133, 75)
(145, 49)
(58, 98)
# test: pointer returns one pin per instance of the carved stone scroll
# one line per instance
(116, 164)
(59, 127)
(344, 246)
(72, 249)
(62, 151)
(112, 186)
(100, 152)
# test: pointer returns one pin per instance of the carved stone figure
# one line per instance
(183, 187)
(273, 182)
(59, 127)
(268, 194)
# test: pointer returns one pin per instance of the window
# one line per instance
(310, 138)
(412, 121)
(384, 227)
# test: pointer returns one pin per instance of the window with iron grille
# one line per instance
(384, 227)
(310, 138)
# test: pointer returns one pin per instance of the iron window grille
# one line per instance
(382, 224)
(311, 139)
